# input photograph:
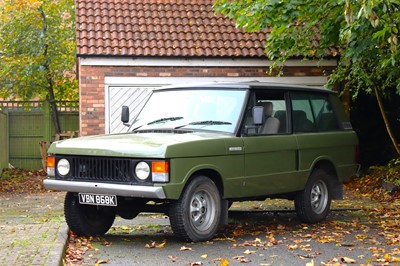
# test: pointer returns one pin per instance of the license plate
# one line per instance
(97, 199)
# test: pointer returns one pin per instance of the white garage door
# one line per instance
(132, 96)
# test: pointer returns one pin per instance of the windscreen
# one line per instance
(196, 109)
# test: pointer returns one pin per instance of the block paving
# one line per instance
(32, 229)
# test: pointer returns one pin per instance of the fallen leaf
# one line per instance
(162, 245)
(183, 248)
(347, 260)
(248, 252)
(151, 245)
(241, 259)
(280, 227)
(224, 262)
(106, 243)
(310, 263)
(173, 258)
(100, 262)
(196, 263)
(204, 256)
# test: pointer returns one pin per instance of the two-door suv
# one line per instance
(194, 149)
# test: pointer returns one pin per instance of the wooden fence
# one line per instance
(3, 140)
(28, 123)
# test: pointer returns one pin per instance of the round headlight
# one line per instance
(63, 167)
(142, 170)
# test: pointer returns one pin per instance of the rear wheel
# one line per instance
(196, 216)
(313, 203)
(87, 220)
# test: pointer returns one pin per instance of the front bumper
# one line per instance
(105, 188)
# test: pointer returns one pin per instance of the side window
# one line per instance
(312, 112)
(303, 118)
(266, 114)
(325, 117)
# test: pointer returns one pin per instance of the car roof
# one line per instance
(247, 85)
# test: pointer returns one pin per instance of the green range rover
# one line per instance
(195, 149)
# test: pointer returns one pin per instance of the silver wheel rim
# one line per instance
(319, 197)
(202, 210)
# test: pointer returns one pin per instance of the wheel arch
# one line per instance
(329, 168)
(210, 173)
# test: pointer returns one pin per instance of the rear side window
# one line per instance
(313, 112)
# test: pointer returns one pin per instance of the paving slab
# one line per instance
(32, 229)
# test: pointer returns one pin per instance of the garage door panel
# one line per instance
(132, 96)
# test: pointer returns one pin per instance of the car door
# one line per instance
(319, 134)
(270, 158)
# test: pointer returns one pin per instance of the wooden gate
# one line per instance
(29, 123)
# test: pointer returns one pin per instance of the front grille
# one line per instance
(102, 169)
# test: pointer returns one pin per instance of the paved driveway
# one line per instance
(32, 229)
(261, 233)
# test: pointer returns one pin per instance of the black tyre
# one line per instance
(87, 220)
(313, 203)
(196, 215)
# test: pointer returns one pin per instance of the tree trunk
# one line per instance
(54, 112)
(386, 121)
(50, 95)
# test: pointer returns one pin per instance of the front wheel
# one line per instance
(196, 216)
(313, 203)
(87, 220)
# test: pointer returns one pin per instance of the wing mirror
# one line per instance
(125, 115)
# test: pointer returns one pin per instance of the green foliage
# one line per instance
(37, 49)
(364, 34)
(393, 172)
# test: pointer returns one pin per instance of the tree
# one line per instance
(364, 34)
(37, 51)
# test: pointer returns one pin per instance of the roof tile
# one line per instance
(161, 28)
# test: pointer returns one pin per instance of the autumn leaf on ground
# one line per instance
(248, 252)
(100, 262)
(196, 263)
(151, 245)
(105, 243)
(173, 258)
(223, 262)
(333, 262)
(292, 246)
(183, 248)
(387, 258)
(204, 256)
(242, 259)
(280, 227)
(224, 239)
(310, 263)
(348, 260)
(162, 245)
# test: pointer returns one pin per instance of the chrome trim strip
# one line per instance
(105, 188)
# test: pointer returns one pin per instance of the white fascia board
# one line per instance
(160, 81)
(204, 62)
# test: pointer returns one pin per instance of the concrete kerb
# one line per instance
(57, 252)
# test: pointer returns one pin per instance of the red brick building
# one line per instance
(126, 48)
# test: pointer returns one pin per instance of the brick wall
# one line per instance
(91, 84)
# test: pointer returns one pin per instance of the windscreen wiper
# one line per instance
(165, 119)
(161, 120)
(205, 123)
